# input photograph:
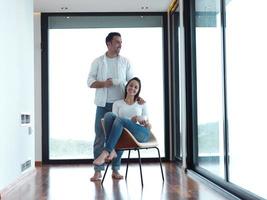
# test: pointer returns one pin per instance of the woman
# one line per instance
(126, 113)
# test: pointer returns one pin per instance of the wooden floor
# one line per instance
(71, 182)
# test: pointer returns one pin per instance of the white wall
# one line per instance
(37, 89)
(16, 87)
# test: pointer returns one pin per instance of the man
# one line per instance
(108, 75)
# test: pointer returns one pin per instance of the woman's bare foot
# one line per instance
(117, 175)
(100, 160)
(97, 177)
(112, 155)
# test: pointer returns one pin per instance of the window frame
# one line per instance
(45, 88)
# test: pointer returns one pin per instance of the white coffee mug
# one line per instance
(115, 81)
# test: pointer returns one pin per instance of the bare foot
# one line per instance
(97, 177)
(112, 155)
(100, 160)
(117, 175)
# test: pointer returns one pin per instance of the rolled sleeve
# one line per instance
(92, 77)
(129, 71)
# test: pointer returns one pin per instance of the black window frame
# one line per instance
(45, 82)
(191, 103)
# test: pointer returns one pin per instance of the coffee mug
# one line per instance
(115, 81)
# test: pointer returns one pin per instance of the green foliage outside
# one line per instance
(208, 138)
(74, 149)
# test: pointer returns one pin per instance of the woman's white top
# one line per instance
(122, 72)
(122, 109)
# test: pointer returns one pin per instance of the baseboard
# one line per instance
(38, 163)
(17, 183)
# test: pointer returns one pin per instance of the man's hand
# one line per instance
(140, 101)
(108, 82)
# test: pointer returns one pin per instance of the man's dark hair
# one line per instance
(111, 35)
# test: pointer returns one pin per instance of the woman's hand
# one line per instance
(135, 119)
(146, 124)
(142, 121)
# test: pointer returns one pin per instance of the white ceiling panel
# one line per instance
(101, 5)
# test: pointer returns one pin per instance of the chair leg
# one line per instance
(105, 173)
(127, 164)
(160, 163)
(140, 167)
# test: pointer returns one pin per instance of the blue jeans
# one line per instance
(100, 138)
(114, 126)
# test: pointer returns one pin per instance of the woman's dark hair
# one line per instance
(111, 35)
(137, 94)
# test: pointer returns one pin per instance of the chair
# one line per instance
(128, 142)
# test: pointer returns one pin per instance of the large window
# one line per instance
(209, 87)
(246, 44)
(73, 43)
(228, 97)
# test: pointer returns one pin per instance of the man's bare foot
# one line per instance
(117, 175)
(97, 177)
(112, 155)
(100, 160)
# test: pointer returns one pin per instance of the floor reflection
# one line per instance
(71, 182)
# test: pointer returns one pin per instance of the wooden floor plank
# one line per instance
(72, 182)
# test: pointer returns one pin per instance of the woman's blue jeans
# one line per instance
(100, 138)
(114, 126)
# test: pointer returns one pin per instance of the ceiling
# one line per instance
(101, 5)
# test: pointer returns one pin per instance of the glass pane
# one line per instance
(181, 102)
(71, 102)
(209, 87)
(246, 44)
